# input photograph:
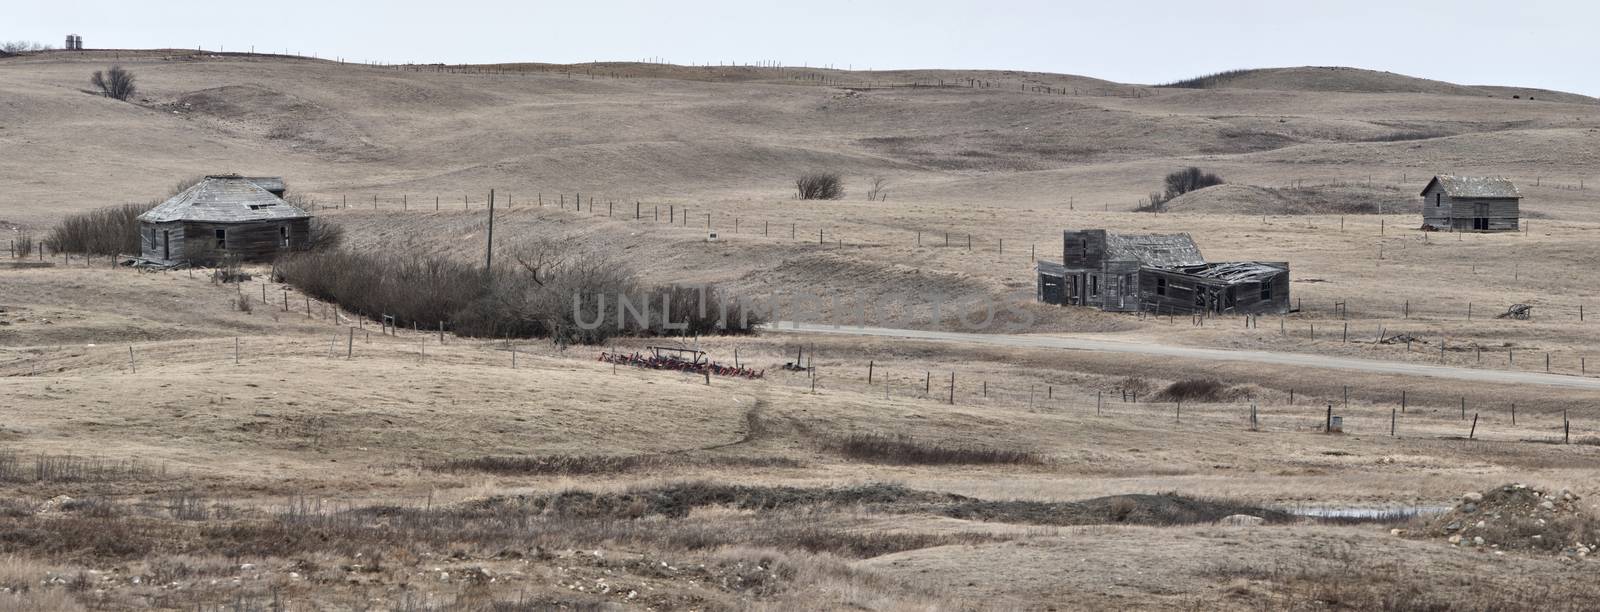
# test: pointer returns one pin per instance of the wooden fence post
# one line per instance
(131, 364)
(1474, 431)
(350, 344)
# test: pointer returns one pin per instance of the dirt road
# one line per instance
(1080, 343)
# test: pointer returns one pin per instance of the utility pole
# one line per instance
(488, 251)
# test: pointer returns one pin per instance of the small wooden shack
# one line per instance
(223, 216)
(1162, 273)
(1471, 203)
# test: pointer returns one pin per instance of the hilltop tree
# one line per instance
(114, 83)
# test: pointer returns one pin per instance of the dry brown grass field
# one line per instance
(162, 448)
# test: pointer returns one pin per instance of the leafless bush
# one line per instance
(69, 468)
(22, 46)
(230, 269)
(879, 191)
(542, 290)
(1189, 179)
(905, 450)
(22, 246)
(1135, 385)
(115, 82)
(112, 230)
(415, 289)
(323, 235)
(820, 186)
(1196, 390)
(243, 304)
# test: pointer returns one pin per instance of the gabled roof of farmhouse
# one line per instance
(1154, 250)
(223, 199)
(1474, 186)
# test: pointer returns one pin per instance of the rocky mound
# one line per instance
(1333, 199)
(1519, 517)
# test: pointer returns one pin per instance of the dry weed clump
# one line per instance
(1339, 577)
(905, 450)
(69, 468)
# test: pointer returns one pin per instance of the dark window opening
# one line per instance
(1094, 286)
(1161, 286)
(283, 235)
(1266, 292)
(1438, 199)
(222, 238)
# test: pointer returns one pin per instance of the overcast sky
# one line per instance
(1536, 43)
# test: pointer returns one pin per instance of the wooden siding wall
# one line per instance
(250, 241)
(1441, 211)
(151, 236)
(1181, 290)
(1083, 249)
(1117, 293)
(1052, 289)
(1501, 212)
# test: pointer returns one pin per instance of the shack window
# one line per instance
(1266, 292)
(1161, 286)
(222, 238)
(283, 235)
(1438, 199)
(1094, 285)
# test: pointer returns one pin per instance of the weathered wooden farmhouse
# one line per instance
(1160, 273)
(1471, 203)
(223, 215)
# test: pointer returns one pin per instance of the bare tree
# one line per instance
(114, 83)
(1189, 179)
(22, 46)
(820, 186)
(879, 191)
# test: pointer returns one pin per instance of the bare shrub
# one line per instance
(115, 82)
(541, 292)
(820, 185)
(243, 304)
(1189, 179)
(323, 235)
(417, 289)
(1196, 390)
(69, 468)
(879, 191)
(22, 46)
(112, 230)
(22, 246)
(230, 269)
(905, 450)
(1135, 385)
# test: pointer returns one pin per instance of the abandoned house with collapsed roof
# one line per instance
(223, 216)
(1159, 273)
(1471, 203)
